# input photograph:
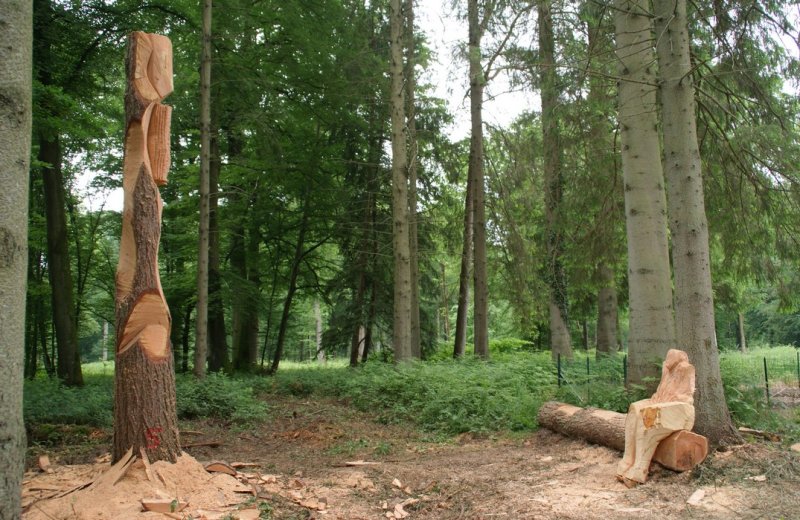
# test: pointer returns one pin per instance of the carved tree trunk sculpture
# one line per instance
(144, 404)
(650, 421)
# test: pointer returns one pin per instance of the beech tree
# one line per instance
(15, 145)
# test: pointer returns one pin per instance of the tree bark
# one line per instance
(400, 234)
(318, 332)
(462, 310)
(59, 269)
(560, 341)
(606, 312)
(681, 451)
(201, 319)
(477, 82)
(15, 145)
(145, 416)
(413, 147)
(445, 305)
(217, 338)
(652, 327)
(694, 301)
(740, 333)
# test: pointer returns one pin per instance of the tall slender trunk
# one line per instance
(400, 233)
(355, 345)
(652, 326)
(560, 342)
(15, 144)
(186, 331)
(411, 116)
(318, 332)
(606, 312)
(694, 299)
(293, 274)
(217, 339)
(201, 320)
(462, 310)
(445, 305)
(58, 263)
(740, 333)
(477, 81)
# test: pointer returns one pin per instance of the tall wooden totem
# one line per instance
(145, 417)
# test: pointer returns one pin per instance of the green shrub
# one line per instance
(220, 397)
(48, 401)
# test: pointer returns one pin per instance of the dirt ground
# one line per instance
(295, 467)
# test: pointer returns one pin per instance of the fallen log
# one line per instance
(681, 451)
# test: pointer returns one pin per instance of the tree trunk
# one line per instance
(186, 331)
(477, 81)
(652, 327)
(15, 145)
(694, 301)
(606, 312)
(318, 332)
(59, 269)
(560, 342)
(413, 147)
(445, 305)
(681, 451)
(217, 338)
(740, 335)
(462, 311)
(201, 319)
(145, 415)
(355, 346)
(400, 233)
(293, 274)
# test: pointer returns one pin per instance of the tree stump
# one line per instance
(145, 416)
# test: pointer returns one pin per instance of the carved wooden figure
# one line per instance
(145, 415)
(649, 421)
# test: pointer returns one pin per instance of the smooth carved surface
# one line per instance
(650, 421)
(143, 311)
(680, 451)
(145, 416)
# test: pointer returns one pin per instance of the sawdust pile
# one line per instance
(91, 492)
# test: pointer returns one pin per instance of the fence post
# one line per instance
(625, 370)
(558, 369)
(588, 381)
(766, 379)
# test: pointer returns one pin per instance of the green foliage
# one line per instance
(444, 396)
(219, 397)
(48, 401)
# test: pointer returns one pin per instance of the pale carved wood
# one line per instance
(681, 451)
(144, 408)
(650, 421)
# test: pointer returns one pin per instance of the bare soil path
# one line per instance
(296, 468)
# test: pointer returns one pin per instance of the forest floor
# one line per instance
(297, 469)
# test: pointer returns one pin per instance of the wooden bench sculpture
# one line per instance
(655, 429)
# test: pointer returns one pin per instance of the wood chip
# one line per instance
(210, 444)
(44, 464)
(219, 466)
(163, 505)
(146, 462)
(757, 478)
(396, 483)
(360, 463)
(248, 514)
(774, 437)
(795, 447)
(238, 465)
(696, 497)
(117, 471)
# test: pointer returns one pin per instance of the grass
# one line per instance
(443, 397)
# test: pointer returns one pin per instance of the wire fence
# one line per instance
(772, 375)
